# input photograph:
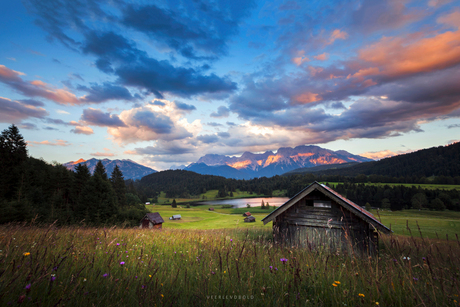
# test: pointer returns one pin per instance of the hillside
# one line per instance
(129, 168)
(435, 161)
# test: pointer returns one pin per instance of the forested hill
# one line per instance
(436, 161)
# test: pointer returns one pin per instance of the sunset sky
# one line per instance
(166, 83)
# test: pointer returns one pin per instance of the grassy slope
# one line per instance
(424, 186)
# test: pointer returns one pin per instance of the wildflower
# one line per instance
(84, 279)
(118, 244)
(415, 279)
(212, 272)
(162, 295)
(231, 240)
(271, 268)
(337, 282)
(225, 272)
(283, 260)
(143, 287)
(334, 285)
(406, 258)
(122, 263)
(377, 303)
(28, 287)
(105, 275)
(360, 294)
(26, 254)
(150, 276)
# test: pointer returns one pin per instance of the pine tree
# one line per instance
(174, 204)
(100, 169)
(13, 153)
(118, 185)
(262, 205)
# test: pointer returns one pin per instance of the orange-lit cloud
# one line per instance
(451, 19)
(398, 56)
(102, 154)
(35, 88)
(301, 58)
(378, 155)
(307, 97)
(55, 143)
(82, 130)
(321, 57)
(337, 34)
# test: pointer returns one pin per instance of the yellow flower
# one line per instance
(225, 272)
(150, 276)
(337, 282)
(26, 254)
(377, 303)
(162, 295)
(162, 285)
(360, 294)
(334, 285)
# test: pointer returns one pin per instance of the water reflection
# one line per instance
(242, 202)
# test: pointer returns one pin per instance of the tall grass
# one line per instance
(77, 266)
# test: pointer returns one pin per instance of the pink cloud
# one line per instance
(321, 57)
(56, 143)
(102, 154)
(337, 34)
(82, 130)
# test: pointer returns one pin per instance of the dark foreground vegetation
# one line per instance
(31, 189)
(78, 266)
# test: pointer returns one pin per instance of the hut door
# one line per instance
(145, 223)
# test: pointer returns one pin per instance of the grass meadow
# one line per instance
(214, 258)
(79, 266)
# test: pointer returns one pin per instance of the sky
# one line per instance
(165, 82)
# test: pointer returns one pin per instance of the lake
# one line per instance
(242, 202)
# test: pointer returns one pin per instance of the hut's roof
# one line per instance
(250, 218)
(177, 216)
(247, 213)
(154, 217)
(344, 202)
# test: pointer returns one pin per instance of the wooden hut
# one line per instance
(152, 220)
(250, 219)
(319, 217)
(175, 217)
(247, 214)
(211, 209)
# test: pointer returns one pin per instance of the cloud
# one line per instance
(13, 111)
(28, 126)
(208, 138)
(337, 34)
(164, 148)
(98, 118)
(48, 143)
(82, 130)
(62, 112)
(202, 35)
(184, 107)
(98, 93)
(213, 124)
(321, 57)
(453, 126)
(222, 111)
(153, 122)
(102, 154)
(35, 88)
(378, 155)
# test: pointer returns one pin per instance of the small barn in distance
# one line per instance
(175, 217)
(319, 217)
(247, 214)
(250, 219)
(152, 220)
(211, 209)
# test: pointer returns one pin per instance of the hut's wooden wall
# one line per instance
(333, 229)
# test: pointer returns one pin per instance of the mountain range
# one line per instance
(268, 164)
(129, 168)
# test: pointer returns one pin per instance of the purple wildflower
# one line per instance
(28, 287)
(118, 244)
(122, 263)
(283, 260)
(415, 279)
(212, 272)
(271, 268)
(143, 287)
(105, 275)
(231, 240)
(423, 258)
(276, 269)
(53, 278)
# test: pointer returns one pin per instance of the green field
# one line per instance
(433, 224)
(428, 186)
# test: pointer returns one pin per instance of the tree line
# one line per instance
(31, 189)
